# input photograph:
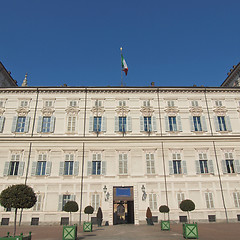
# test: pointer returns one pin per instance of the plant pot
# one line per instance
(69, 232)
(149, 221)
(87, 227)
(190, 230)
(165, 225)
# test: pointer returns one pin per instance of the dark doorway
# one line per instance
(123, 205)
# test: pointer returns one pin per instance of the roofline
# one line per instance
(8, 74)
(230, 75)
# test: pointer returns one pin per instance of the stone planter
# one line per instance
(87, 227)
(165, 225)
(190, 231)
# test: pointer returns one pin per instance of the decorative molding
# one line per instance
(171, 111)
(2, 110)
(146, 111)
(196, 111)
(220, 111)
(47, 111)
(97, 111)
(122, 111)
(72, 110)
(23, 111)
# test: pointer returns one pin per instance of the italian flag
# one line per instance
(124, 65)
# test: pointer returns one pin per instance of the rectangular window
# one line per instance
(41, 168)
(97, 121)
(122, 103)
(218, 103)
(68, 164)
(209, 200)
(203, 163)
(180, 198)
(95, 201)
(98, 103)
(170, 103)
(230, 166)
(71, 124)
(46, 123)
(236, 197)
(123, 164)
(48, 103)
(153, 201)
(73, 103)
(221, 123)
(146, 103)
(65, 199)
(13, 168)
(24, 103)
(197, 123)
(150, 163)
(177, 166)
(147, 124)
(194, 103)
(172, 124)
(122, 124)
(20, 124)
(96, 164)
(38, 204)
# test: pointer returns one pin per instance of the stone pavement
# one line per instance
(207, 231)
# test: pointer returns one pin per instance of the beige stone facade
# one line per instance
(162, 144)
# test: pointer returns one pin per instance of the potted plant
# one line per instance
(99, 217)
(87, 226)
(70, 206)
(165, 224)
(190, 230)
(149, 217)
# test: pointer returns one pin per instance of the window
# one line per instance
(98, 103)
(153, 201)
(73, 103)
(20, 124)
(1, 104)
(68, 164)
(2, 120)
(24, 103)
(97, 124)
(203, 162)
(147, 124)
(13, 168)
(197, 123)
(146, 103)
(41, 168)
(71, 124)
(46, 124)
(123, 163)
(170, 103)
(96, 166)
(229, 162)
(122, 124)
(209, 200)
(177, 167)
(221, 123)
(236, 197)
(95, 201)
(172, 124)
(150, 163)
(122, 103)
(38, 204)
(180, 198)
(65, 199)
(194, 103)
(218, 103)
(48, 103)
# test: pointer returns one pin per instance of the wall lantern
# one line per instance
(106, 193)
(144, 196)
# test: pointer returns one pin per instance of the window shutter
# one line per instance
(48, 168)
(170, 167)
(60, 202)
(73, 197)
(21, 168)
(184, 167)
(27, 122)
(204, 124)
(14, 124)
(228, 124)
(237, 166)
(154, 123)
(235, 199)
(116, 124)
(179, 124)
(191, 123)
(89, 168)
(216, 124)
(197, 166)
(224, 167)
(76, 168)
(210, 166)
(61, 168)
(6, 168)
(104, 167)
(39, 127)
(34, 168)
(2, 120)
(104, 124)
(141, 124)
(166, 124)
(90, 123)
(129, 124)
(52, 124)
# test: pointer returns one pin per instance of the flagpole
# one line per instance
(121, 68)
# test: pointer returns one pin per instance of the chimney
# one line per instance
(152, 84)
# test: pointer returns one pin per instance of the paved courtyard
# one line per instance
(208, 231)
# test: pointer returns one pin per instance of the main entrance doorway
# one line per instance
(123, 205)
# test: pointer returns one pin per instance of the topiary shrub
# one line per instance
(149, 216)
(99, 217)
(164, 209)
(88, 210)
(187, 206)
(70, 206)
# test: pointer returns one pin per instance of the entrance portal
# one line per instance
(123, 205)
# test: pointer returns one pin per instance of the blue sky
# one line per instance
(171, 43)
